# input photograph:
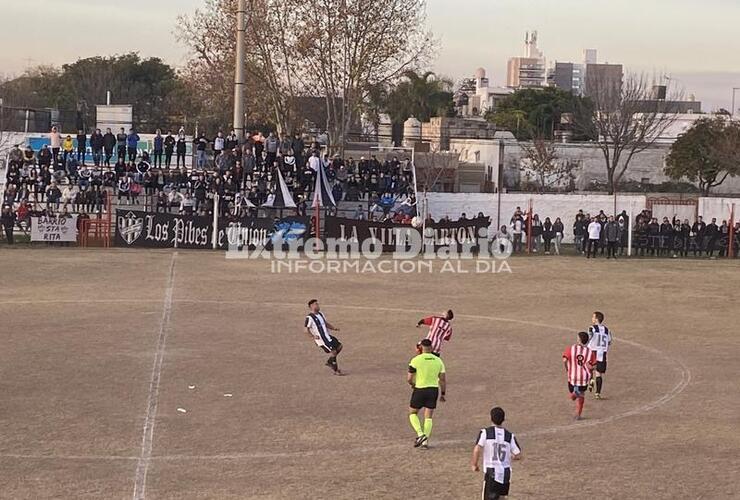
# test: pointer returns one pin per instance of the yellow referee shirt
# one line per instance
(427, 368)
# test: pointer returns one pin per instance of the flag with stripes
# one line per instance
(282, 197)
(322, 195)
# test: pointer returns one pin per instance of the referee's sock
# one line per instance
(415, 423)
(427, 427)
(599, 383)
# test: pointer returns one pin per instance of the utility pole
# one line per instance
(241, 28)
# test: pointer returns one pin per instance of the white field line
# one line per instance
(147, 437)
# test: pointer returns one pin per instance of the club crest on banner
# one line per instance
(130, 227)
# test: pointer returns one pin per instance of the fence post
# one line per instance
(216, 208)
(630, 229)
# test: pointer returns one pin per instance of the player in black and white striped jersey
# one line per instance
(319, 329)
(600, 338)
(499, 448)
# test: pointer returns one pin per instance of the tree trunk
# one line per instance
(610, 182)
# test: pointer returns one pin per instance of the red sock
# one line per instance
(579, 406)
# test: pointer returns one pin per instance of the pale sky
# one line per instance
(695, 42)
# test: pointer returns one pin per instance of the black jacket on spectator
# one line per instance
(109, 142)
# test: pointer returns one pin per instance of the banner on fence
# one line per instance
(50, 229)
(392, 235)
(160, 230)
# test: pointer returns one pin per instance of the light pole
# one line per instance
(241, 28)
(732, 111)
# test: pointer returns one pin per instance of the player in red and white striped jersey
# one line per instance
(440, 330)
(578, 361)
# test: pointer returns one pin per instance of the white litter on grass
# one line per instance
(182, 410)
(191, 387)
(228, 395)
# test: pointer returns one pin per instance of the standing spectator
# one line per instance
(232, 141)
(666, 237)
(611, 235)
(68, 148)
(536, 232)
(180, 149)
(547, 234)
(594, 235)
(653, 231)
(132, 145)
(158, 149)
(109, 143)
(678, 238)
(121, 139)
(711, 234)
(7, 219)
(623, 223)
(558, 229)
(517, 228)
(298, 146)
(96, 145)
(259, 145)
(55, 140)
(81, 146)
(698, 230)
(272, 144)
(201, 145)
(219, 143)
(169, 149)
(579, 232)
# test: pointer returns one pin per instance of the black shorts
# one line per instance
(493, 490)
(601, 365)
(333, 345)
(424, 398)
(581, 388)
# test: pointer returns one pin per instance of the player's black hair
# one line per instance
(498, 415)
(450, 315)
(426, 343)
(599, 316)
(312, 302)
(583, 337)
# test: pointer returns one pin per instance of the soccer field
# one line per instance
(101, 350)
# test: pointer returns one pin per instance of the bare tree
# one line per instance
(624, 118)
(541, 158)
(434, 168)
(272, 66)
(352, 46)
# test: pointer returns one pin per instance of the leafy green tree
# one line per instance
(151, 86)
(422, 96)
(707, 154)
(533, 113)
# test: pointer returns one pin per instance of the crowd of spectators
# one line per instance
(83, 173)
(601, 234)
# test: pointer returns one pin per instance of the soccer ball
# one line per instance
(417, 222)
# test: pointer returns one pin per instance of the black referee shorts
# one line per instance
(424, 398)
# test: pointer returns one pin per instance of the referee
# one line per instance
(427, 376)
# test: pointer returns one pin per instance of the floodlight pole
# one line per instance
(241, 29)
